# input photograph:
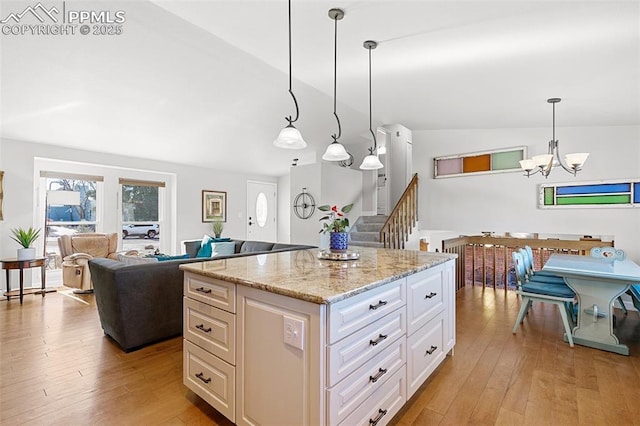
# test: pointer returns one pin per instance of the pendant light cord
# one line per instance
(335, 73)
(375, 143)
(290, 78)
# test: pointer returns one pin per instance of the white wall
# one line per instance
(508, 201)
(17, 160)
(284, 209)
(328, 184)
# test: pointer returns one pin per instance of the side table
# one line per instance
(13, 263)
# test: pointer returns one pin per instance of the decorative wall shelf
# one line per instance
(482, 162)
(599, 194)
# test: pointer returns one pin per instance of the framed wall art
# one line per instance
(214, 206)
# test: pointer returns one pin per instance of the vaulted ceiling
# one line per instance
(205, 83)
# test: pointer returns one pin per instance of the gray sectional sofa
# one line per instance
(141, 304)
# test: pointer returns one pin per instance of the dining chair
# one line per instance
(611, 253)
(533, 290)
(544, 276)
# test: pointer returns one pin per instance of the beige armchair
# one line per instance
(77, 250)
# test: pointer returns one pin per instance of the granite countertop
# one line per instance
(302, 275)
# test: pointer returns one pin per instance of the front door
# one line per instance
(261, 211)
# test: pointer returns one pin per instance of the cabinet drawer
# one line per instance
(359, 385)
(210, 328)
(213, 292)
(353, 351)
(380, 407)
(424, 353)
(425, 297)
(211, 378)
(353, 313)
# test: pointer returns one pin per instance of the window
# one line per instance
(141, 214)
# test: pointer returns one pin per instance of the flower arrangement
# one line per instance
(336, 220)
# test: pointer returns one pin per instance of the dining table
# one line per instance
(597, 282)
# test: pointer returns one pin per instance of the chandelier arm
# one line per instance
(557, 154)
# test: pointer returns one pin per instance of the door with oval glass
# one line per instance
(261, 211)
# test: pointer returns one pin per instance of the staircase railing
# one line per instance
(400, 223)
(486, 260)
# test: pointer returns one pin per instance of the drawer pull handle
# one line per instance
(380, 338)
(201, 377)
(201, 327)
(381, 413)
(381, 372)
(430, 295)
(380, 304)
(203, 290)
(431, 350)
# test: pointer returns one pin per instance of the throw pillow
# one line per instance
(220, 249)
(205, 247)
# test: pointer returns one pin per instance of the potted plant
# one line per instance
(218, 226)
(25, 237)
(337, 224)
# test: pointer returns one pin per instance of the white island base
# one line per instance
(262, 353)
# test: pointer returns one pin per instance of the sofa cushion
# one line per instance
(165, 257)
(206, 248)
(251, 246)
(135, 260)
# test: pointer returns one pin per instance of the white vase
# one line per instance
(26, 253)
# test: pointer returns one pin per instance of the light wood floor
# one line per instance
(56, 367)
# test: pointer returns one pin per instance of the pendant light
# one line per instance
(290, 137)
(335, 151)
(371, 161)
(543, 163)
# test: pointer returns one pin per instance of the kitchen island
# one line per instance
(290, 339)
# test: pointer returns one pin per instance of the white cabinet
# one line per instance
(262, 358)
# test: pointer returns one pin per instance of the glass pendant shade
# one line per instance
(527, 165)
(335, 152)
(290, 138)
(542, 160)
(577, 159)
(371, 162)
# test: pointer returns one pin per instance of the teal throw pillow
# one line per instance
(205, 247)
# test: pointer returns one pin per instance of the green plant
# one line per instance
(336, 220)
(218, 226)
(25, 237)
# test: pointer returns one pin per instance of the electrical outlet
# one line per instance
(294, 332)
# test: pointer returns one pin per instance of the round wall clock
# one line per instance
(304, 205)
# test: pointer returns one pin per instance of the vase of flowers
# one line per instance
(337, 224)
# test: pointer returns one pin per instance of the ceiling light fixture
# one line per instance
(335, 151)
(545, 162)
(371, 161)
(290, 137)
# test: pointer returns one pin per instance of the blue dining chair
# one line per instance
(544, 276)
(533, 290)
(612, 254)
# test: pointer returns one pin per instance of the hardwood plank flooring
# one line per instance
(58, 368)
